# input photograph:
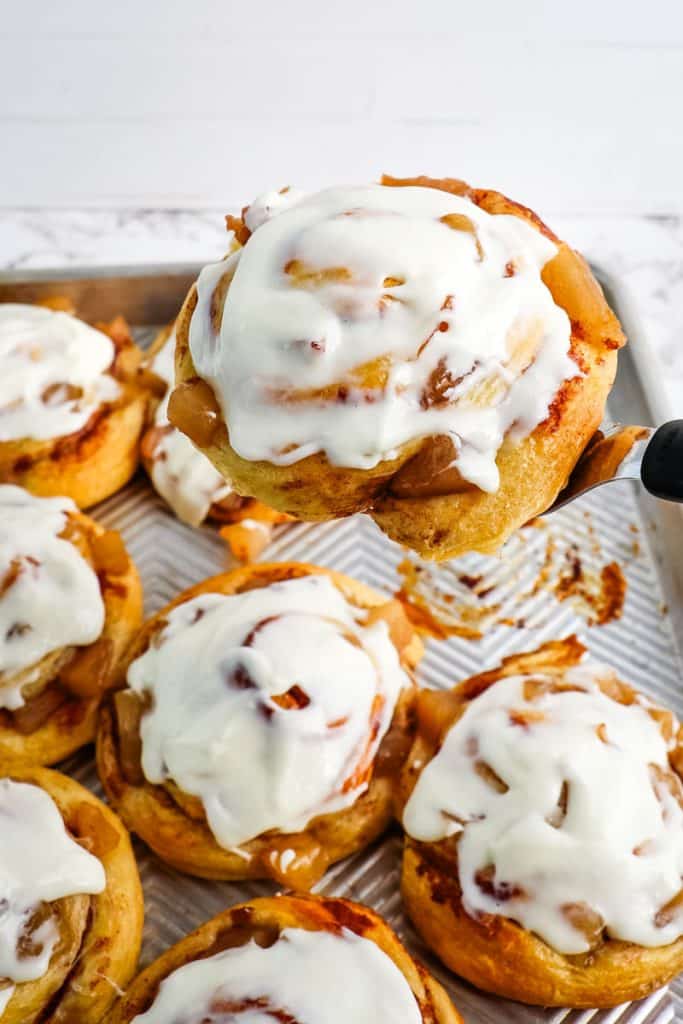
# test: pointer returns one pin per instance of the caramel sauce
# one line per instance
(12, 574)
(92, 829)
(367, 380)
(151, 382)
(226, 1010)
(240, 229)
(603, 595)
(556, 817)
(534, 688)
(671, 910)
(303, 276)
(437, 711)
(363, 770)
(666, 721)
(87, 673)
(501, 892)
(60, 394)
(109, 554)
(585, 920)
(295, 699)
(666, 782)
(459, 222)
(433, 612)
(304, 869)
(395, 748)
(430, 472)
(36, 711)
(440, 384)
(456, 186)
(394, 614)
(218, 298)
(194, 410)
(491, 778)
(601, 732)
(27, 945)
(129, 710)
(525, 717)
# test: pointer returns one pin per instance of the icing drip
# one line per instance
(5, 996)
(49, 595)
(54, 372)
(39, 863)
(265, 704)
(182, 475)
(383, 315)
(306, 976)
(567, 813)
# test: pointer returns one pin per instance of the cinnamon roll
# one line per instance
(70, 901)
(288, 959)
(431, 354)
(543, 809)
(73, 403)
(265, 718)
(188, 482)
(70, 603)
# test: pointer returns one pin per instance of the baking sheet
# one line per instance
(619, 524)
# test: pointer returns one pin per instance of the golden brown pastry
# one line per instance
(188, 482)
(73, 403)
(71, 923)
(542, 805)
(265, 718)
(431, 354)
(290, 958)
(70, 604)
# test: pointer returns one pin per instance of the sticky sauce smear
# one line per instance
(520, 589)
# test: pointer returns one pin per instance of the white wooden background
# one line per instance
(574, 106)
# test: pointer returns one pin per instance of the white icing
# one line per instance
(182, 475)
(276, 338)
(215, 729)
(39, 863)
(311, 976)
(5, 996)
(43, 353)
(55, 600)
(268, 205)
(612, 811)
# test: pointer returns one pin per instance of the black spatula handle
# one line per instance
(662, 466)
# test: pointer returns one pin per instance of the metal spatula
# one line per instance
(653, 455)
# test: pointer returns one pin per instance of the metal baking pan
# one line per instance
(514, 604)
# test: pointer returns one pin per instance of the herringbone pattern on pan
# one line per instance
(604, 528)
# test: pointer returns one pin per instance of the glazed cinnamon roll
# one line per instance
(430, 354)
(70, 901)
(264, 721)
(70, 604)
(188, 482)
(543, 810)
(73, 403)
(289, 959)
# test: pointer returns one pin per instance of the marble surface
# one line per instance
(643, 253)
